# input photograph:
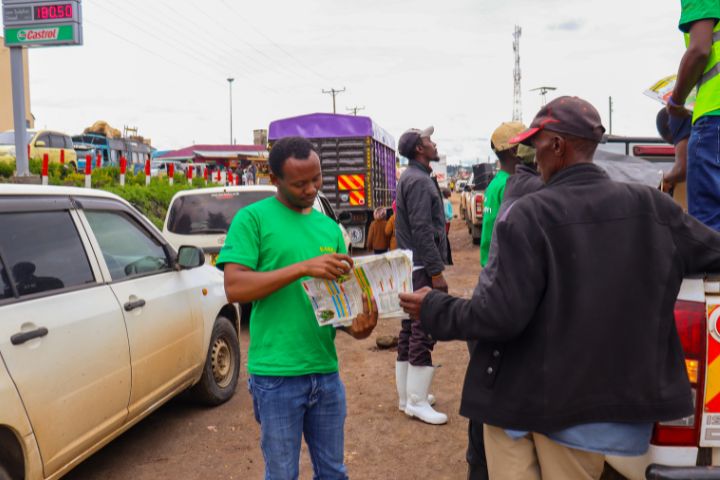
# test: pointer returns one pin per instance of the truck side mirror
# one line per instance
(344, 217)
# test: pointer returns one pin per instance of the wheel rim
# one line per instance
(222, 362)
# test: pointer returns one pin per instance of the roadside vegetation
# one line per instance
(152, 200)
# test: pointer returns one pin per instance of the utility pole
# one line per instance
(610, 111)
(334, 93)
(355, 109)
(517, 101)
(230, 82)
(543, 92)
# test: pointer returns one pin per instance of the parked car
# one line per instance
(41, 142)
(202, 217)
(473, 199)
(102, 322)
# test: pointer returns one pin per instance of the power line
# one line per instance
(104, 29)
(288, 54)
(355, 109)
(334, 93)
(191, 52)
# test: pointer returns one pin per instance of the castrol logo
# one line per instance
(26, 35)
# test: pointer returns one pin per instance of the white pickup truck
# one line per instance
(472, 203)
(686, 448)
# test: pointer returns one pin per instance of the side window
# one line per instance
(68, 142)
(43, 252)
(57, 141)
(5, 288)
(127, 248)
(43, 138)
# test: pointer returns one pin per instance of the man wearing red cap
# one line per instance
(577, 351)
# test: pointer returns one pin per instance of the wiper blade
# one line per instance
(209, 230)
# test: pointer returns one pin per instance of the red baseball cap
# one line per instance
(570, 115)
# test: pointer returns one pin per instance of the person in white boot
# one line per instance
(401, 369)
(420, 227)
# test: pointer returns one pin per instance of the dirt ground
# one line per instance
(182, 441)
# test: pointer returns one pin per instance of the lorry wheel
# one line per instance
(222, 366)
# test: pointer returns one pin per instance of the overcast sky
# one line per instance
(161, 65)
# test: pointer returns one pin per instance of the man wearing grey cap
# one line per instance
(420, 227)
(577, 351)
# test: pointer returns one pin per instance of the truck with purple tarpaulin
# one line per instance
(358, 164)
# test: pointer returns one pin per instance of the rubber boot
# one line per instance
(418, 384)
(401, 369)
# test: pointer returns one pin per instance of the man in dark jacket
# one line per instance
(578, 351)
(420, 227)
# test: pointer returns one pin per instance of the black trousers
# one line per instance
(475, 456)
(414, 345)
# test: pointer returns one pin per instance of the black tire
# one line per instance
(4, 475)
(475, 232)
(222, 366)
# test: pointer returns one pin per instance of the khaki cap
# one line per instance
(501, 136)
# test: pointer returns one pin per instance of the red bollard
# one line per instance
(206, 174)
(218, 176)
(171, 173)
(98, 160)
(229, 178)
(189, 173)
(45, 162)
(62, 157)
(123, 169)
(147, 172)
(88, 170)
(28, 152)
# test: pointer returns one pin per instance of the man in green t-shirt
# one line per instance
(700, 66)
(509, 159)
(272, 245)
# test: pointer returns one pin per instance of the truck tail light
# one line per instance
(690, 321)
(479, 202)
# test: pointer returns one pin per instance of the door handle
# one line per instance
(129, 306)
(20, 338)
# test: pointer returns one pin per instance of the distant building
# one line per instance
(6, 109)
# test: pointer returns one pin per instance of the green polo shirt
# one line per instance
(493, 198)
(285, 338)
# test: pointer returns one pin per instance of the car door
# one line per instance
(62, 332)
(166, 336)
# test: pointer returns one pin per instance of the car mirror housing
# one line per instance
(190, 257)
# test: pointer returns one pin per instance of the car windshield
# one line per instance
(8, 138)
(209, 213)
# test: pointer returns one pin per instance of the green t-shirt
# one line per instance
(493, 197)
(693, 10)
(285, 338)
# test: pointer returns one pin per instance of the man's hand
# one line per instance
(677, 110)
(411, 302)
(329, 267)
(363, 325)
(439, 283)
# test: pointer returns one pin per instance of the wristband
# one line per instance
(672, 103)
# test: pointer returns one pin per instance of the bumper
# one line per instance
(662, 472)
(634, 468)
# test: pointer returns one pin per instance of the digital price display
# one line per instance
(59, 11)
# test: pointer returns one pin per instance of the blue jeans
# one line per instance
(703, 171)
(288, 408)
